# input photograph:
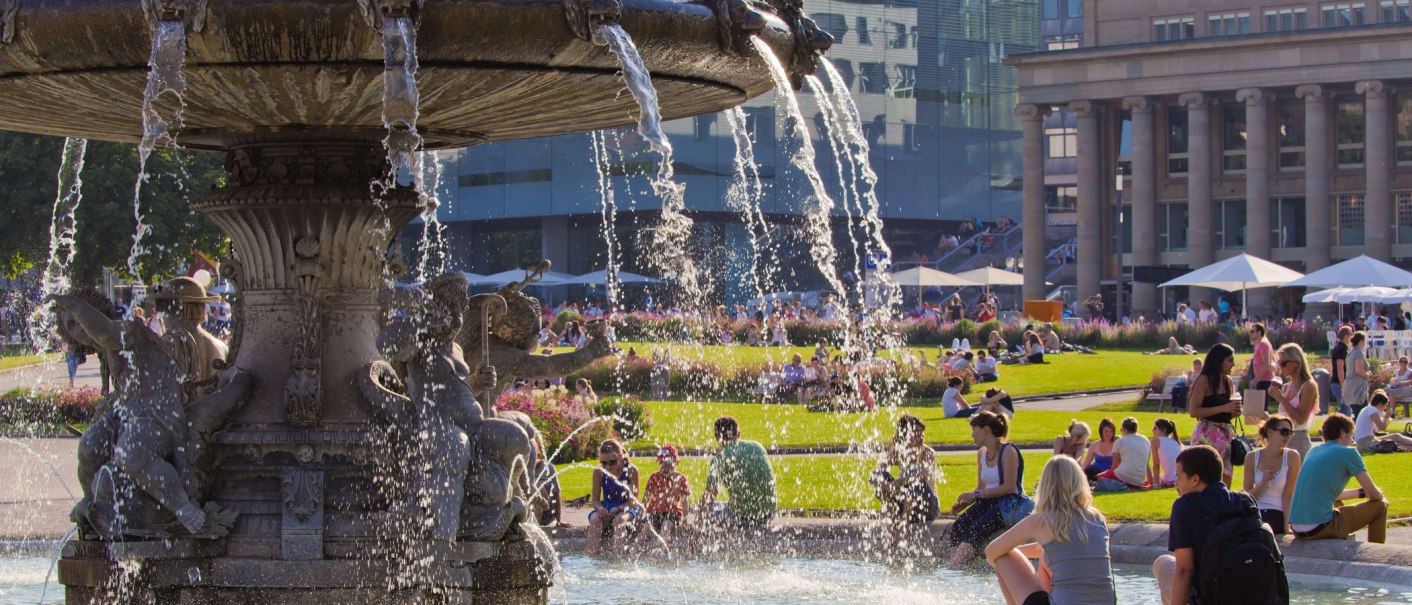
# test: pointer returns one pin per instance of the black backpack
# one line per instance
(1240, 562)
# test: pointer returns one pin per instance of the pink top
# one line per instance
(1264, 362)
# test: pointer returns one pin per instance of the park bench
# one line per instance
(1165, 396)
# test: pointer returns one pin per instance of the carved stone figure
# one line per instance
(467, 475)
(182, 301)
(138, 461)
(512, 338)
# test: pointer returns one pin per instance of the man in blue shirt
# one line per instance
(793, 377)
(1322, 478)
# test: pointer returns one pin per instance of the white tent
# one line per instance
(600, 277)
(990, 276)
(1241, 272)
(1397, 297)
(1355, 273)
(550, 278)
(1324, 296)
(922, 276)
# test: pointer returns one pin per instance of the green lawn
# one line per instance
(1067, 372)
(27, 359)
(839, 483)
(689, 424)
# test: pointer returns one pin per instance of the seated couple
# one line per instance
(953, 404)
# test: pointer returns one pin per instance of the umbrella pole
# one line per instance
(1244, 308)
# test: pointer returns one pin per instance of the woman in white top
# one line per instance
(1271, 471)
(1372, 419)
(953, 405)
(1299, 397)
(1165, 447)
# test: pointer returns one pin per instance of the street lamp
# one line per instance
(1118, 227)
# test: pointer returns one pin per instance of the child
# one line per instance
(614, 499)
(668, 492)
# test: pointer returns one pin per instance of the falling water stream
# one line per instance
(744, 195)
(432, 253)
(847, 171)
(608, 213)
(670, 245)
(63, 233)
(164, 79)
(400, 97)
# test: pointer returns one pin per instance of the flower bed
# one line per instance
(570, 430)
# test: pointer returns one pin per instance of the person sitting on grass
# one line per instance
(1166, 446)
(1207, 520)
(1173, 348)
(613, 502)
(1074, 442)
(999, 474)
(1067, 535)
(1271, 472)
(668, 494)
(909, 499)
(953, 405)
(997, 401)
(995, 343)
(1034, 349)
(1400, 387)
(1130, 468)
(1372, 421)
(1050, 339)
(1315, 513)
(987, 370)
(794, 377)
(1099, 457)
(962, 364)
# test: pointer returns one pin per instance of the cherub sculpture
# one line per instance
(509, 344)
(466, 475)
(140, 461)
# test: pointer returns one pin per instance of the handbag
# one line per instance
(1014, 507)
(1240, 446)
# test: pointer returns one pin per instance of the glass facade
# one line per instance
(927, 76)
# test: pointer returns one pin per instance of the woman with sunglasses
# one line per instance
(1271, 471)
(614, 499)
(1299, 397)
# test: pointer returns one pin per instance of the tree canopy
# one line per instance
(29, 165)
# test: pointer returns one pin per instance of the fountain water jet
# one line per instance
(63, 231)
(164, 79)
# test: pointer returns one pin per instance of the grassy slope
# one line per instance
(839, 483)
(27, 359)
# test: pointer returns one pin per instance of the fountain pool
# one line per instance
(780, 580)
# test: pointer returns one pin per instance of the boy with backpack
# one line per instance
(1221, 551)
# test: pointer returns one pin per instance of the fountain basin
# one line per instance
(490, 70)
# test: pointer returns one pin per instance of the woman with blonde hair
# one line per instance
(1068, 536)
(1299, 397)
(1074, 442)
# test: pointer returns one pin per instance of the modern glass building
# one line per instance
(937, 105)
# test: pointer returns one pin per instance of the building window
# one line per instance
(1287, 222)
(1233, 138)
(1176, 140)
(1291, 134)
(702, 126)
(906, 82)
(1051, 9)
(1172, 223)
(1179, 28)
(910, 140)
(1397, 11)
(874, 77)
(833, 23)
(1404, 130)
(1228, 25)
(1230, 224)
(1350, 219)
(760, 123)
(1063, 142)
(845, 70)
(1343, 15)
(898, 38)
(1404, 216)
(1350, 132)
(1063, 42)
(1063, 198)
(1286, 19)
(1076, 8)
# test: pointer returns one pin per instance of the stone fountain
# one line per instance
(271, 474)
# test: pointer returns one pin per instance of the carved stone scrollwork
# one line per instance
(809, 41)
(191, 12)
(8, 10)
(305, 165)
(376, 11)
(303, 494)
(302, 526)
(302, 393)
(736, 22)
(585, 15)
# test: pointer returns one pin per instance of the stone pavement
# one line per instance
(38, 485)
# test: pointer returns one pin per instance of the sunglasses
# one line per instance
(1287, 361)
(613, 462)
(1283, 431)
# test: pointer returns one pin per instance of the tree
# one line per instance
(28, 168)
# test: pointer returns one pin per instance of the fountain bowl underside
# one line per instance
(490, 70)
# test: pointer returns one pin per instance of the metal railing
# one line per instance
(999, 241)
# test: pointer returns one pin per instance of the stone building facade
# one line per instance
(1283, 130)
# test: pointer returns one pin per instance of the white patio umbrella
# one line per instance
(1366, 294)
(990, 276)
(1241, 272)
(922, 276)
(1397, 297)
(1323, 296)
(1355, 273)
(600, 277)
(550, 278)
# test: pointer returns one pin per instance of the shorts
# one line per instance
(659, 519)
(1275, 519)
(1038, 598)
(615, 509)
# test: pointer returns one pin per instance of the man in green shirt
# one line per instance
(743, 469)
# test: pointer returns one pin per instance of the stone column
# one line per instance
(1090, 227)
(1379, 218)
(1144, 200)
(1257, 184)
(1201, 244)
(1032, 125)
(1317, 214)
